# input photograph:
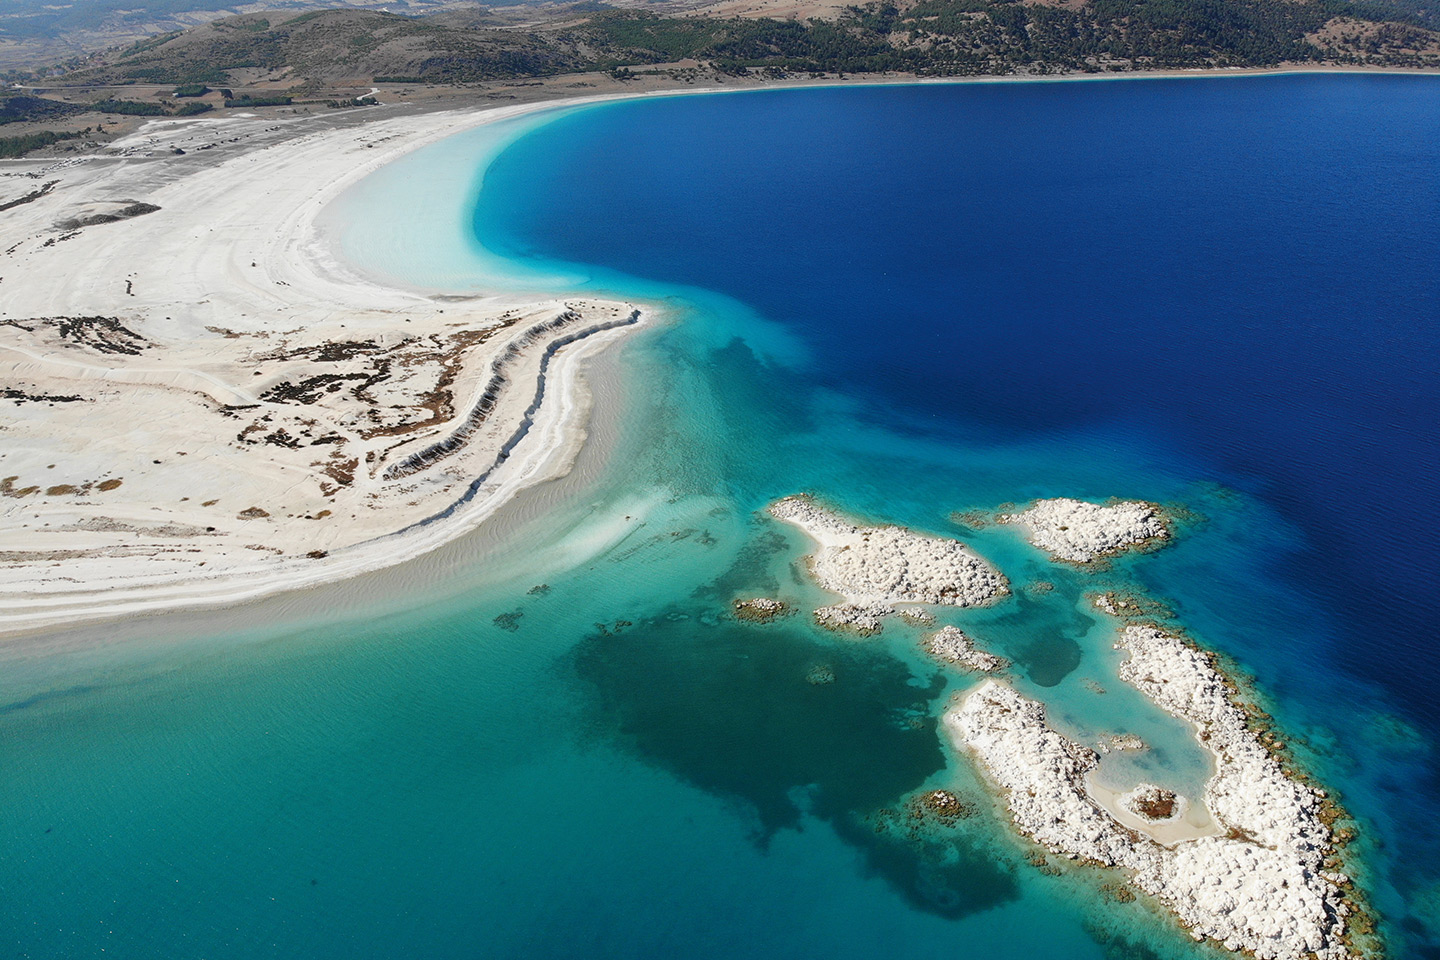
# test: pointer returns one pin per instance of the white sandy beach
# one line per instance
(205, 405)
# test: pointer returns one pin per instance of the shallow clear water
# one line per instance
(913, 301)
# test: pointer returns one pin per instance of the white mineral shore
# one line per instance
(1260, 886)
(1081, 532)
(203, 405)
(952, 645)
(875, 568)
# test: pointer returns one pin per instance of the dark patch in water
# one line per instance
(758, 400)
(730, 710)
(1038, 633)
(952, 877)
(1119, 947)
(749, 574)
(1049, 659)
(39, 698)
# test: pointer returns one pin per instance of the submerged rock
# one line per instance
(760, 609)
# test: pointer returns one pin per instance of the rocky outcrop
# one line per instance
(760, 609)
(876, 567)
(866, 619)
(1081, 532)
(953, 645)
(1154, 804)
(1123, 743)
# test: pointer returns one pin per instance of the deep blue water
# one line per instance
(914, 301)
(1246, 274)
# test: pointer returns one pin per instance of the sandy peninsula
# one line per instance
(204, 404)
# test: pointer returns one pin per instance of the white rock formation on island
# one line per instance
(1123, 743)
(1081, 532)
(953, 645)
(865, 619)
(1262, 887)
(874, 568)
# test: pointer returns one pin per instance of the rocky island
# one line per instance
(875, 568)
(1079, 532)
(952, 645)
(1266, 883)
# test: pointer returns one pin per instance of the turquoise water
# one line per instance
(569, 749)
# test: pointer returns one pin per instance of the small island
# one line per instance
(1078, 532)
(877, 567)
(1267, 883)
(952, 645)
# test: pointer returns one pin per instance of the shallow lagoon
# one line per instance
(914, 301)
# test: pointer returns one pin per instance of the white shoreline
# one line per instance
(93, 556)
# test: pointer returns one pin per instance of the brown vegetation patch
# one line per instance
(20, 396)
(1156, 805)
(101, 334)
(96, 219)
(8, 488)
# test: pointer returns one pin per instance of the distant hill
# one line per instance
(923, 37)
(336, 46)
(35, 30)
